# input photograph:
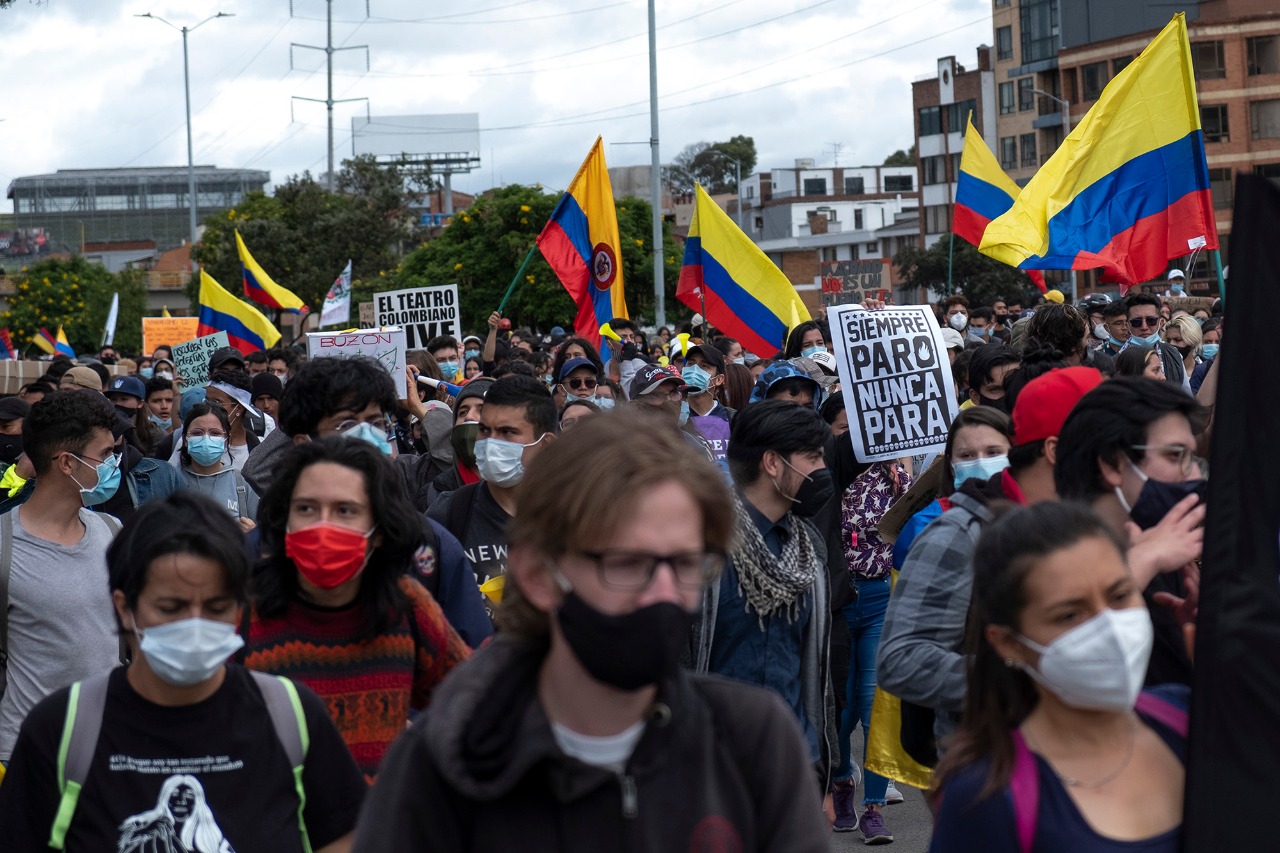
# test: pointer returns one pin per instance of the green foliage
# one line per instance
(980, 278)
(711, 165)
(76, 295)
(901, 158)
(304, 235)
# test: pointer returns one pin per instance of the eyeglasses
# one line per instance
(635, 569)
(1176, 454)
(212, 433)
(1144, 321)
(385, 425)
(578, 383)
(659, 395)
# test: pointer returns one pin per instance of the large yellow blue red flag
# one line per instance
(259, 287)
(1129, 187)
(580, 241)
(746, 296)
(247, 330)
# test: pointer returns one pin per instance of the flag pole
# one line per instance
(951, 250)
(516, 280)
(1222, 282)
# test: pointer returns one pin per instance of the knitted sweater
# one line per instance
(371, 684)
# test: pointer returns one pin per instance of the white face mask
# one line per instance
(959, 321)
(1100, 664)
(502, 462)
(189, 651)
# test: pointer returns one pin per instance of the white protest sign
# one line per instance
(423, 313)
(385, 346)
(191, 359)
(896, 380)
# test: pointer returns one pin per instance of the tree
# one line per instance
(76, 295)
(711, 165)
(980, 278)
(902, 158)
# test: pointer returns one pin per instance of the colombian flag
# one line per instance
(52, 345)
(247, 330)
(580, 241)
(6, 345)
(747, 297)
(983, 193)
(1129, 188)
(259, 287)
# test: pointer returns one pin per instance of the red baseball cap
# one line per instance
(1043, 405)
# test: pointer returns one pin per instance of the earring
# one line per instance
(1009, 662)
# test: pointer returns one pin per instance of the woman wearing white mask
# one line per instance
(1060, 749)
(180, 750)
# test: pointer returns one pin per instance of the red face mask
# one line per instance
(327, 555)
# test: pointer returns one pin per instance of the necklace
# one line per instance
(1072, 782)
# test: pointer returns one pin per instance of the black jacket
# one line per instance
(481, 771)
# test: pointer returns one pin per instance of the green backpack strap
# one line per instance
(85, 706)
(290, 724)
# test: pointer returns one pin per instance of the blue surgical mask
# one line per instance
(1149, 341)
(449, 369)
(146, 372)
(694, 375)
(472, 353)
(1209, 350)
(1111, 340)
(810, 352)
(108, 471)
(979, 469)
(206, 449)
(165, 424)
(1176, 290)
(375, 435)
(605, 403)
(684, 412)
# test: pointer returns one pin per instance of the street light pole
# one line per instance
(655, 168)
(1066, 130)
(186, 86)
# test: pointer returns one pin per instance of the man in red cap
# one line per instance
(921, 658)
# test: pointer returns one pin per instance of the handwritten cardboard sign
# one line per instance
(191, 359)
(167, 331)
(850, 282)
(386, 346)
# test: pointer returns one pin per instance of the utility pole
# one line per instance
(329, 100)
(659, 285)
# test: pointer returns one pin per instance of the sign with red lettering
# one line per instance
(896, 379)
(386, 346)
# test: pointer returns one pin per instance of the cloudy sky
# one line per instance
(88, 85)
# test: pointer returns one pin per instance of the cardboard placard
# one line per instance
(850, 282)
(167, 331)
(387, 346)
(366, 315)
(191, 359)
(1190, 303)
(423, 313)
(923, 492)
(15, 374)
(896, 379)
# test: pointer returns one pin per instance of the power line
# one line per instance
(445, 22)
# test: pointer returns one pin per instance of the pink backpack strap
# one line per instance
(1163, 712)
(1024, 790)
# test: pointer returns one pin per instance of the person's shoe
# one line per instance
(843, 795)
(892, 796)
(872, 827)
(855, 777)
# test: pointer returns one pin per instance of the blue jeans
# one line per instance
(865, 616)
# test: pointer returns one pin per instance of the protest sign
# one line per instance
(167, 331)
(366, 315)
(423, 313)
(386, 346)
(191, 359)
(896, 380)
(1190, 303)
(850, 282)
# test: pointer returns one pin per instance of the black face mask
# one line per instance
(1158, 497)
(10, 448)
(815, 491)
(127, 413)
(999, 403)
(463, 438)
(629, 651)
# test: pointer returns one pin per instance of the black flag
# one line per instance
(1234, 769)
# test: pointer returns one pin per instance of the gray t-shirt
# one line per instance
(62, 625)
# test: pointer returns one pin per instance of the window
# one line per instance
(759, 223)
(1028, 143)
(1220, 188)
(1039, 25)
(1264, 55)
(854, 185)
(1007, 103)
(1207, 60)
(1026, 99)
(815, 186)
(899, 183)
(958, 115)
(1093, 79)
(1270, 171)
(937, 219)
(1004, 42)
(1213, 120)
(1264, 119)
(1002, 2)
(1070, 91)
(934, 170)
(930, 120)
(872, 250)
(1119, 64)
(1008, 152)
(857, 219)
(829, 254)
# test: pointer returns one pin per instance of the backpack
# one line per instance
(1024, 783)
(86, 704)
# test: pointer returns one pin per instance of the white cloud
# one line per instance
(88, 85)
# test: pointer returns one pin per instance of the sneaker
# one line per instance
(872, 827)
(892, 796)
(855, 773)
(842, 797)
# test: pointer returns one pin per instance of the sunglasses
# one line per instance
(587, 383)
(1140, 322)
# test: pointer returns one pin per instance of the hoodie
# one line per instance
(481, 771)
(227, 488)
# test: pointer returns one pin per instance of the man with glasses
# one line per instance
(1142, 311)
(578, 723)
(1128, 448)
(57, 624)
